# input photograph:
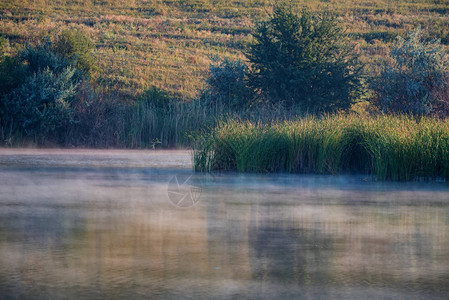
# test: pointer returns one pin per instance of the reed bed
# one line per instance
(146, 125)
(397, 148)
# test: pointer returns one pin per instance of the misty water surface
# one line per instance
(139, 224)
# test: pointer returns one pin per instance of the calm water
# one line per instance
(138, 224)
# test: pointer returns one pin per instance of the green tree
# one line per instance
(12, 73)
(304, 60)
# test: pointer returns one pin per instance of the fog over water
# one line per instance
(140, 224)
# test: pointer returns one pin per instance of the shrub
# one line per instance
(12, 74)
(415, 81)
(227, 83)
(156, 98)
(76, 47)
(42, 104)
(37, 58)
(304, 60)
(39, 89)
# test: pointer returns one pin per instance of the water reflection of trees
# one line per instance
(229, 244)
(39, 227)
(285, 252)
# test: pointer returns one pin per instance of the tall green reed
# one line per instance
(389, 147)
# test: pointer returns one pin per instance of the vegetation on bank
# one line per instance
(295, 63)
(389, 147)
(405, 138)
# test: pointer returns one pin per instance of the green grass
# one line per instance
(168, 44)
(397, 148)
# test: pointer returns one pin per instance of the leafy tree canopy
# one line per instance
(304, 60)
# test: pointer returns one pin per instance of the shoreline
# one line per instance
(111, 158)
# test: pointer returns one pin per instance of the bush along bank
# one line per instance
(397, 148)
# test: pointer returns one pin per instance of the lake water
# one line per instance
(140, 224)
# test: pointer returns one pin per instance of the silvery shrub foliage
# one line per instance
(415, 81)
(43, 86)
(42, 104)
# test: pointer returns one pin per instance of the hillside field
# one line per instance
(169, 44)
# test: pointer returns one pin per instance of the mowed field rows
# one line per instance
(169, 44)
